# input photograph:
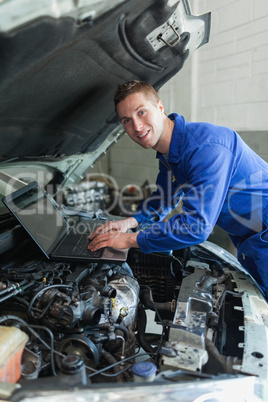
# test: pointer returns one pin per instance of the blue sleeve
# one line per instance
(162, 201)
(209, 169)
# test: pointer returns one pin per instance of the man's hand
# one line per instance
(114, 239)
(112, 234)
(119, 226)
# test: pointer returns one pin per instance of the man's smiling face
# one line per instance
(142, 119)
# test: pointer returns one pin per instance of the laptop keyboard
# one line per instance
(80, 249)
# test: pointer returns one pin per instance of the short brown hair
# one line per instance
(132, 87)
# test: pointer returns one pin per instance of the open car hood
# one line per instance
(77, 331)
(62, 61)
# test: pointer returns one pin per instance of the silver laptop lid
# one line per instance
(37, 214)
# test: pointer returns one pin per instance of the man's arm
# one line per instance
(162, 201)
(209, 171)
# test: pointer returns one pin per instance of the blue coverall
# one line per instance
(220, 181)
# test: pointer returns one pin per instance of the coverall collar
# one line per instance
(174, 154)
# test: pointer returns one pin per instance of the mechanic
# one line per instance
(216, 176)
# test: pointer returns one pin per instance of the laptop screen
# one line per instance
(37, 215)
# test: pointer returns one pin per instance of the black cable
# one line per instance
(142, 321)
(178, 260)
(205, 257)
(116, 326)
(159, 318)
(117, 373)
(110, 359)
(119, 362)
(152, 301)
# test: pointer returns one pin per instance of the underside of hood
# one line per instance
(58, 75)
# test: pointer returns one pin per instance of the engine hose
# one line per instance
(116, 326)
(147, 300)
(207, 282)
(111, 360)
(12, 287)
(124, 330)
(142, 321)
(153, 338)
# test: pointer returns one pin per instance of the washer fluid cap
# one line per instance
(144, 369)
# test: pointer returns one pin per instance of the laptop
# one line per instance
(59, 241)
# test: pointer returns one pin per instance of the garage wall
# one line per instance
(225, 82)
(230, 74)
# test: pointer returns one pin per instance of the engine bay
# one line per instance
(185, 315)
(90, 321)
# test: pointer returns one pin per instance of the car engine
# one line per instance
(90, 321)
